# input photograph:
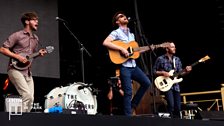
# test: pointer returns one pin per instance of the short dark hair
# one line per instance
(115, 18)
(28, 16)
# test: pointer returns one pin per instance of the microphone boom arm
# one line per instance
(80, 44)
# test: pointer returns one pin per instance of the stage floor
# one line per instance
(58, 119)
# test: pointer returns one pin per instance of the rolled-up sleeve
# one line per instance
(10, 41)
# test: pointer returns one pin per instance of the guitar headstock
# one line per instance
(204, 59)
(49, 49)
(165, 44)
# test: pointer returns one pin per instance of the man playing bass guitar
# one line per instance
(162, 67)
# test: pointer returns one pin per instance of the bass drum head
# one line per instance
(84, 95)
(56, 97)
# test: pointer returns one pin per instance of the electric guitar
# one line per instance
(165, 83)
(22, 66)
(134, 51)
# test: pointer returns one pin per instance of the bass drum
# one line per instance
(80, 92)
(71, 97)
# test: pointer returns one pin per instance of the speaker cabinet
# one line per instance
(210, 115)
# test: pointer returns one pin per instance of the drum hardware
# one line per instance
(84, 86)
(77, 96)
(95, 91)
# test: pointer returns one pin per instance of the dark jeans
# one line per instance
(128, 74)
(173, 99)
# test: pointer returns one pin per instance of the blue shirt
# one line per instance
(125, 36)
(163, 63)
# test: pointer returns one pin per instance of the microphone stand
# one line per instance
(142, 38)
(82, 48)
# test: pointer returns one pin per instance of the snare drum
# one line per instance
(68, 96)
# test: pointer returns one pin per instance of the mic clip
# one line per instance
(84, 86)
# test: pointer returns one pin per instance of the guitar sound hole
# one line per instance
(130, 51)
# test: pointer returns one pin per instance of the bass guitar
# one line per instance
(134, 50)
(165, 83)
(22, 66)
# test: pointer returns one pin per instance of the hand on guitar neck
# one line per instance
(43, 52)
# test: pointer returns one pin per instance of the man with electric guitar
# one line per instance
(21, 47)
(165, 66)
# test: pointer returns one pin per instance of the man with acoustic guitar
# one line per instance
(128, 69)
(23, 42)
(162, 67)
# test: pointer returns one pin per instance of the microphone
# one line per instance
(131, 20)
(60, 19)
(84, 86)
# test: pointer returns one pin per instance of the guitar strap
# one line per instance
(174, 64)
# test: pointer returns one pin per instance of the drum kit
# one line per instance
(76, 96)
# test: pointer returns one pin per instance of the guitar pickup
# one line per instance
(164, 82)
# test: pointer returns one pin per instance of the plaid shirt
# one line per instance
(163, 63)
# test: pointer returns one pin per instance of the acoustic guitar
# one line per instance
(134, 50)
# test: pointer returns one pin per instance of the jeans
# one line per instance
(173, 99)
(127, 74)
